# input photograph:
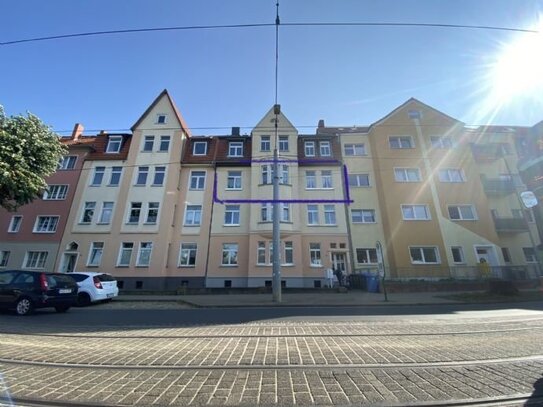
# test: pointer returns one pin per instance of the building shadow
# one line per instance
(536, 398)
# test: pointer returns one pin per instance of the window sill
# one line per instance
(363, 223)
(191, 226)
(424, 264)
(228, 265)
(157, 185)
(142, 266)
(186, 266)
(122, 266)
(149, 223)
(231, 226)
(233, 189)
(196, 189)
(417, 220)
(103, 223)
(316, 266)
(43, 233)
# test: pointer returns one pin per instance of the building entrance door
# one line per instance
(68, 263)
(338, 262)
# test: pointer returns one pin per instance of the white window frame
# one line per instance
(413, 208)
(234, 180)
(199, 143)
(46, 224)
(265, 143)
(448, 174)
(159, 176)
(193, 215)
(284, 174)
(4, 258)
(106, 213)
(114, 171)
(363, 214)
(401, 142)
(187, 251)
(359, 177)
(315, 257)
(442, 142)
(235, 149)
(309, 148)
(529, 257)
(15, 223)
(368, 253)
(285, 212)
(153, 210)
(421, 251)
(266, 212)
(231, 250)
(35, 260)
(114, 144)
(56, 192)
(148, 144)
(460, 251)
(283, 142)
(231, 212)
(354, 149)
(96, 252)
(67, 162)
(311, 179)
(261, 254)
(135, 207)
(288, 247)
(164, 144)
(126, 247)
(266, 175)
(142, 175)
(461, 215)
(312, 215)
(98, 176)
(330, 218)
(197, 177)
(325, 149)
(143, 249)
(406, 174)
(326, 179)
(89, 207)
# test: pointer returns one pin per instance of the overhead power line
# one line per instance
(258, 25)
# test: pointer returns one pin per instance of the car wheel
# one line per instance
(83, 299)
(62, 308)
(24, 306)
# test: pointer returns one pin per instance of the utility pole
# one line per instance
(276, 240)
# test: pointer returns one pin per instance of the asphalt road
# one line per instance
(162, 354)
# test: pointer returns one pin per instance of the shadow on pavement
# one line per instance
(536, 399)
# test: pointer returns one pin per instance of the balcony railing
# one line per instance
(510, 225)
(498, 187)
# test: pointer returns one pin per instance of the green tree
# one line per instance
(29, 152)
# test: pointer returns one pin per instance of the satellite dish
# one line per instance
(528, 199)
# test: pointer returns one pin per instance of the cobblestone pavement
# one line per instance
(434, 362)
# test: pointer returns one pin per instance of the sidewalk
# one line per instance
(349, 299)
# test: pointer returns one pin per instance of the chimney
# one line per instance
(321, 123)
(77, 131)
(235, 131)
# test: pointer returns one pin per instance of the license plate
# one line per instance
(65, 291)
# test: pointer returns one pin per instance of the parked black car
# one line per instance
(25, 291)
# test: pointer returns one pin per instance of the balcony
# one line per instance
(498, 186)
(510, 225)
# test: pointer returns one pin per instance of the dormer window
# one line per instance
(235, 149)
(325, 148)
(199, 148)
(161, 118)
(309, 147)
(114, 144)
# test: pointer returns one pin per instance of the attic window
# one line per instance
(199, 148)
(114, 144)
(161, 118)
(415, 114)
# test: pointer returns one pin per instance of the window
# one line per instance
(35, 260)
(283, 143)
(400, 142)
(285, 212)
(426, 255)
(312, 214)
(55, 193)
(363, 215)
(329, 215)
(284, 175)
(115, 176)
(458, 254)
(462, 212)
(160, 173)
(98, 176)
(309, 148)
(95, 254)
(125, 254)
(199, 148)
(161, 118)
(529, 254)
(152, 212)
(88, 212)
(266, 178)
(143, 172)
(235, 149)
(407, 175)
(506, 255)
(265, 144)
(415, 212)
(197, 179)
(234, 180)
(366, 256)
(326, 178)
(354, 149)
(15, 223)
(359, 180)
(261, 253)
(310, 180)
(187, 254)
(229, 254)
(441, 142)
(315, 254)
(67, 162)
(107, 211)
(4, 258)
(144, 254)
(114, 144)
(231, 215)
(451, 175)
(266, 213)
(135, 211)
(289, 253)
(193, 215)
(148, 143)
(324, 147)
(164, 145)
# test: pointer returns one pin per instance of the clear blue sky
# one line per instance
(222, 78)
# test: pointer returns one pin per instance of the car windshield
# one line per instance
(105, 277)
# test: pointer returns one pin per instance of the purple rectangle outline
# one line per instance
(304, 161)
(302, 201)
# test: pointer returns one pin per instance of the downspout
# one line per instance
(214, 165)
(344, 186)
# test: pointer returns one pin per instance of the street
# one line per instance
(133, 354)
